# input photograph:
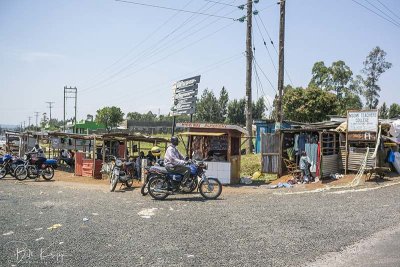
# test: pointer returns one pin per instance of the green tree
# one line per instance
(308, 105)
(394, 110)
(208, 109)
(223, 103)
(135, 116)
(149, 116)
(259, 109)
(236, 112)
(374, 66)
(383, 111)
(110, 117)
(320, 76)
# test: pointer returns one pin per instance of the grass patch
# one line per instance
(252, 163)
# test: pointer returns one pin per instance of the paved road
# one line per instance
(126, 229)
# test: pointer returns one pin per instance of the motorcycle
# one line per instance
(119, 174)
(152, 171)
(8, 164)
(165, 183)
(29, 169)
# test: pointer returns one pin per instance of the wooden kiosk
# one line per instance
(218, 145)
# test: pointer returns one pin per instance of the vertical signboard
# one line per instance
(185, 96)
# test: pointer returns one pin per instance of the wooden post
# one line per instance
(144, 164)
(94, 156)
(280, 171)
(104, 151)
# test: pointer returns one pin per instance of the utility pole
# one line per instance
(70, 92)
(249, 68)
(36, 116)
(281, 62)
(29, 121)
(50, 107)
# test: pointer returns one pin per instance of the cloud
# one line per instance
(40, 56)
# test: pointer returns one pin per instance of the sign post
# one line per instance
(362, 126)
(184, 98)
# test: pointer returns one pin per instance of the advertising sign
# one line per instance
(362, 121)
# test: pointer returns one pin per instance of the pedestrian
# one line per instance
(304, 167)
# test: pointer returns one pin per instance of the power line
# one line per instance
(358, 3)
(168, 55)
(140, 43)
(273, 45)
(201, 70)
(388, 9)
(222, 3)
(156, 51)
(266, 77)
(175, 9)
(265, 45)
(384, 13)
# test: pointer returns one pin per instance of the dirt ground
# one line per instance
(103, 184)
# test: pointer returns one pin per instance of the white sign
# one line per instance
(362, 121)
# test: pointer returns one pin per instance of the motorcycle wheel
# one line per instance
(210, 190)
(113, 183)
(32, 171)
(144, 190)
(48, 173)
(3, 171)
(21, 173)
(159, 183)
(190, 189)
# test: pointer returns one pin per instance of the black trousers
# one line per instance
(180, 169)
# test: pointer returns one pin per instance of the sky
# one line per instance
(126, 55)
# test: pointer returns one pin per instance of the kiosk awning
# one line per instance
(201, 134)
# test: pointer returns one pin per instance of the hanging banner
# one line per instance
(362, 121)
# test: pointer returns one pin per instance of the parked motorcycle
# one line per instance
(30, 169)
(164, 183)
(8, 164)
(119, 174)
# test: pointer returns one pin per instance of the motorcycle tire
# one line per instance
(3, 171)
(212, 183)
(144, 190)
(48, 173)
(152, 184)
(113, 183)
(32, 172)
(21, 173)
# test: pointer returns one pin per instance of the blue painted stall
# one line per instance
(266, 126)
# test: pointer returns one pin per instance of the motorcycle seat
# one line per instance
(159, 169)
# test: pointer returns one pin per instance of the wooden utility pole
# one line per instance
(50, 107)
(281, 62)
(70, 92)
(249, 68)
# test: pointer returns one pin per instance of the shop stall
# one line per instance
(218, 145)
(281, 151)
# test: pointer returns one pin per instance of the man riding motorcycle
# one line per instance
(41, 157)
(174, 161)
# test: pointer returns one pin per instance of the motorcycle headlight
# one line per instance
(118, 163)
(25, 157)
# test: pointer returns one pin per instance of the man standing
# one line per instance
(174, 161)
